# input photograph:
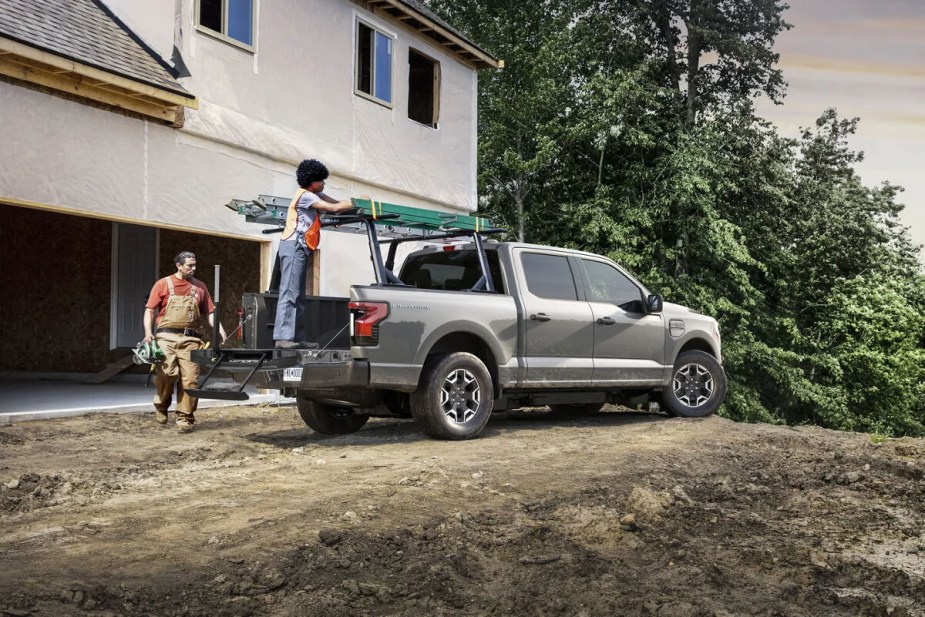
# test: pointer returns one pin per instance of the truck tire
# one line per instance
(329, 419)
(455, 397)
(697, 388)
(576, 409)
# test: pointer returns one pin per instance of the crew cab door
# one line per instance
(556, 324)
(629, 344)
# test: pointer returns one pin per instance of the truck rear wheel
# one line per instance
(455, 397)
(698, 386)
(329, 419)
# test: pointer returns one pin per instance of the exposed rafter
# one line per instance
(442, 36)
(34, 66)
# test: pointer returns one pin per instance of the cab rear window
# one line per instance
(450, 270)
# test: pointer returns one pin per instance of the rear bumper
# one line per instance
(299, 369)
(316, 376)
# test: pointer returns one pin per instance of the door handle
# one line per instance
(540, 317)
(606, 321)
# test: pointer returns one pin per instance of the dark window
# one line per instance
(610, 285)
(210, 14)
(374, 63)
(423, 88)
(549, 276)
(452, 270)
(232, 18)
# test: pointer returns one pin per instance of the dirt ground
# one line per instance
(617, 514)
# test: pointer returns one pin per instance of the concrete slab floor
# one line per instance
(33, 396)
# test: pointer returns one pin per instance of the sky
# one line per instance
(866, 58)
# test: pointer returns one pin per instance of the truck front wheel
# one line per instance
(455, 397)
(329, 419)
(698, 386)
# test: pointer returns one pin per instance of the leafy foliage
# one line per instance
(628, 129)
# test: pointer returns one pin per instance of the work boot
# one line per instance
(184, 428)
(161, 416)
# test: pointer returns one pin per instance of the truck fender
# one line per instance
(465, 328)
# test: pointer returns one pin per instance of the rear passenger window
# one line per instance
(549, 276)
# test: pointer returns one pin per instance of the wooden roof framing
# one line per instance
(35, 66)
(440, 34)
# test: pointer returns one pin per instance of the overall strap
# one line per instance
(194, 289)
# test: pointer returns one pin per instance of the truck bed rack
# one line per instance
(383, 223)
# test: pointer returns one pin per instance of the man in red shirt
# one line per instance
(176, 304)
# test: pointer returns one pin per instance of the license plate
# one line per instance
(292, 374)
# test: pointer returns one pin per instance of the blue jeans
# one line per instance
(293, 260)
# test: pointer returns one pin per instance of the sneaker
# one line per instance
(184, 428)
(308, 345)
(161, 416)
(288, 345)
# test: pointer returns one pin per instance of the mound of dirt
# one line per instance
(617, 514)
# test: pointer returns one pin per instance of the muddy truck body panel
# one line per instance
(423, 320)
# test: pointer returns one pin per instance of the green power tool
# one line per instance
(148, 353)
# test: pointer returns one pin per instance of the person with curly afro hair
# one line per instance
(300, 236)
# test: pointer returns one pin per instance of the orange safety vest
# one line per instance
(312, 234)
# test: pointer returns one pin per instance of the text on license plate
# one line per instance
(292, 374)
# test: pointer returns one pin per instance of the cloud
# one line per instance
(842, 65)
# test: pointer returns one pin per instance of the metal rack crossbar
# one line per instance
(395, 222)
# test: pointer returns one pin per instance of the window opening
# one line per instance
(423, 88)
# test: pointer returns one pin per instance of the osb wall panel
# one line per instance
(55, 287)
(240, 268)
(54, 291)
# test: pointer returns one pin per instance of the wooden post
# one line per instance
(313, 273)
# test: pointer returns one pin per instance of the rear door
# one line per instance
(557, 322)
(629, 344)
(134, 272)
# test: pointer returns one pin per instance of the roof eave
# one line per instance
(43, 68)
(454, 43)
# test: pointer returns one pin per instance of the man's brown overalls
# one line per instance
(181, 313)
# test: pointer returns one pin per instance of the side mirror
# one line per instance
(654, 303)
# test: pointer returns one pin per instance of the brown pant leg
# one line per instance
(189, 378)
(164, 383)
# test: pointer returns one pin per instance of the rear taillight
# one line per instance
(364, 321)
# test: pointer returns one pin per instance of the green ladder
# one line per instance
(271, 210)
(419, 218)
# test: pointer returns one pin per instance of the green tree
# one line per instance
(713, 53)
(628, 129)
(519, 104)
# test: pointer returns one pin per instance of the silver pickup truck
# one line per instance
(467, 329)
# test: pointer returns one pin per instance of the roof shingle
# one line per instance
(86, 31)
